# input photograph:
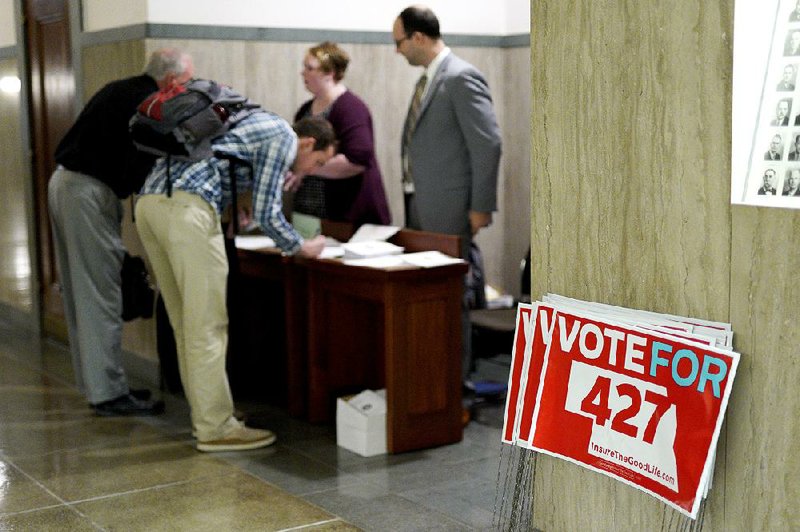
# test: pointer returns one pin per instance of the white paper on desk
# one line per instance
(371, 232)
(423, 259)
(253, 242)
(332, 252)
(388, 261)
(430, 259)
(363, 250)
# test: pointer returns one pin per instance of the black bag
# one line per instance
(179, 122)
(182, 120)
(138, 295)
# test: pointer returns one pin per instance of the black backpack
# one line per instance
(182, 120)
(179, 122)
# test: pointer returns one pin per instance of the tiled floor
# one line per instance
(62, 468)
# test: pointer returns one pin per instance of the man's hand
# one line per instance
(292, 181)
(244, 216)
(245, 203)
(312, 248)
(479, 220)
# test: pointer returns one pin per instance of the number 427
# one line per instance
(596, 403)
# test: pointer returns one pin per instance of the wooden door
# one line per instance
(52, 84)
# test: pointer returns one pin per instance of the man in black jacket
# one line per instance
(97, 166)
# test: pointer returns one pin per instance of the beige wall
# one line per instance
(630, 206)
(15, 267)
(8, 33)
(506, 242)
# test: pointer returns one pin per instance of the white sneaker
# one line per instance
(240, 439)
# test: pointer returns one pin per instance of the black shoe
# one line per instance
(142, 394)
(128, 405)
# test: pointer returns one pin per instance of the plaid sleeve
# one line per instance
(272, 159)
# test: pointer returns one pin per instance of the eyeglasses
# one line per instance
(398, 42)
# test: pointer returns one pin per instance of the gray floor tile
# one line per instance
(471, 501)
(375, 510)
(423, 472)
(290, 470)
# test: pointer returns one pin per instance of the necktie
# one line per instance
(408, 130)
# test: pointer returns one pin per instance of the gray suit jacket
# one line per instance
(454, 152)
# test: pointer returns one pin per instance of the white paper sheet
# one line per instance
(254, 242)
(371, 232)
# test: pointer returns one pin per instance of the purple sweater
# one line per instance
(359, 199)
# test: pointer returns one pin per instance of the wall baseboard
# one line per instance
(142, 371)
(17, 318)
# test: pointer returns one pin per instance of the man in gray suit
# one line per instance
(451, 141)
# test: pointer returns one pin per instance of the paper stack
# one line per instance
(253, 242)
(421, 259)
(369, 249)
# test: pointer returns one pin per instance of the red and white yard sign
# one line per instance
(632, 403)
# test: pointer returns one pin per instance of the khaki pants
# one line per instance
(184, 242)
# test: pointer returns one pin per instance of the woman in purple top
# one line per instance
(349, 187)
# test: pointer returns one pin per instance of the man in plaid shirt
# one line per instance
(182, 236)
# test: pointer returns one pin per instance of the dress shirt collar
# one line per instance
(430, 70)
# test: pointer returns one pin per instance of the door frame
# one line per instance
(42, 321)
(26, 141)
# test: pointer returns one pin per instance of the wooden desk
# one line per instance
(268, 330)
(395, 329)
(350, 328)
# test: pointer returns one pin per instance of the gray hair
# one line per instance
(167, 61)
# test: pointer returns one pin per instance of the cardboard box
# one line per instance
(361, 422)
